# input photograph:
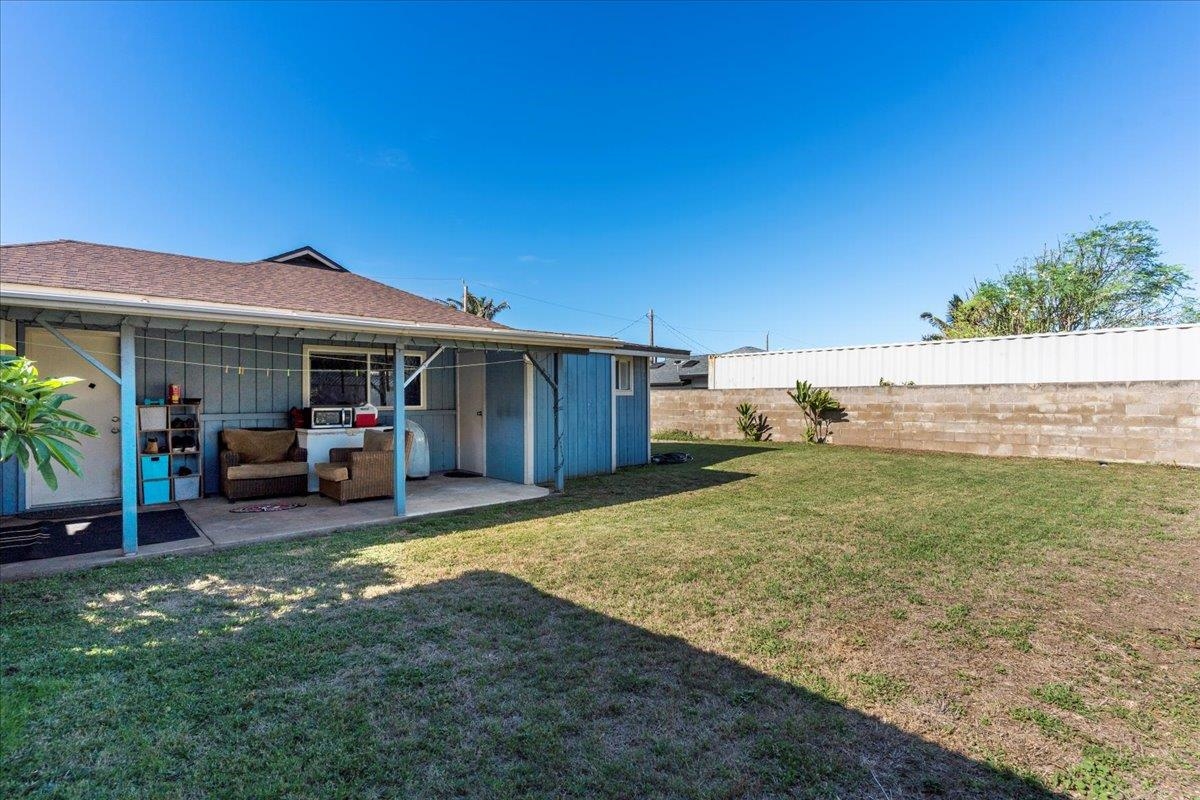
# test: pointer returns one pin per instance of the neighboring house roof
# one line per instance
(688, 370)
(68, 264)
(308, 257)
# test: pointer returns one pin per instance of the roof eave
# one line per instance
(104, 302)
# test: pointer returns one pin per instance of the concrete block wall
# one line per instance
(1147, 421)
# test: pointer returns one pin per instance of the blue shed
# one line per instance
(252, 344)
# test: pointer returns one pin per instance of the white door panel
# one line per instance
(98, 399)
(472, 411)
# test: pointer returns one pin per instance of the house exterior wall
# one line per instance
(633, 419)
(505, 403)
(12, 480)
(228, 372)
(1148, 421)
(241, 394)
(586, 390)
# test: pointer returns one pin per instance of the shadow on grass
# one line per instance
(628, 485)
(475, 686)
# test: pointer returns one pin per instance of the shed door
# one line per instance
(97, 398)
(472, 411)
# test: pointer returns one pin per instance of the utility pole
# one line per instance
(464, 283)
(651, 316)
(768, 347)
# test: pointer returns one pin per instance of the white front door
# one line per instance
(472, 411)
(97, 398)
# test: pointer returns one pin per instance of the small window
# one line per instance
(345, 376)
(624, 376)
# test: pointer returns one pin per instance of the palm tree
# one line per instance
(478, 305)
(942, 325)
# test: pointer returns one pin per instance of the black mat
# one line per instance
(73, 512)
(461, 473)
(28, 540)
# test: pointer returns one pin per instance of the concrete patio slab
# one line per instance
(220, 528)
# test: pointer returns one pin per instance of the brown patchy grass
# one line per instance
(772, 620)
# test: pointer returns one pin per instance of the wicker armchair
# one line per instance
(241, 481)
(357, 474)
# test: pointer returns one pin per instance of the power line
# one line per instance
(553, 303)
(627, 327)
(703, 347)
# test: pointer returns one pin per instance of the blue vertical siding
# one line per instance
(505, 416)
(256, 399)
(633, 419)
(586, 387)
(12, 477)
(438, 419)
(11, 482)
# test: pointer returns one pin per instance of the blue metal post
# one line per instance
(129, 537)
(398, 469)
(558, 454)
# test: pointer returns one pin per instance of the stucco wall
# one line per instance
(1151, 421)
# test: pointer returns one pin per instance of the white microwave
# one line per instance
(329, 417)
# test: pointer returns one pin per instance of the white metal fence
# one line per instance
(1169, 352)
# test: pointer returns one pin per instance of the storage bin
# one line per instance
(154, 467)
(187, 488)
(156, 492)
(153, 418)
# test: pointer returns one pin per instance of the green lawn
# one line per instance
(772, 620)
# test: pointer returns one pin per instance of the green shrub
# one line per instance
(752, 424)
(816, 405)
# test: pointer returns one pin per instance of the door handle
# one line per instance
(479, 413)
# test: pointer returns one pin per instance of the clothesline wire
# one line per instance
(244, 368)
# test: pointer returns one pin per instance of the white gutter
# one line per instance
(124, 304)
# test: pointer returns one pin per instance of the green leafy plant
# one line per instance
(752, 424)
(816, 404)
(34, 427)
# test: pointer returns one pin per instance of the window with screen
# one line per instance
(624, 377)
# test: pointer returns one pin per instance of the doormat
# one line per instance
(33, 540)
(461, 473)
(72, 512)
(265, 507)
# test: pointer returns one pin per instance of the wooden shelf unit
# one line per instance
(159, 480)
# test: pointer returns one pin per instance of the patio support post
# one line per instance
(128, 423)
(398, 434)
(558, 454)
(556, 395)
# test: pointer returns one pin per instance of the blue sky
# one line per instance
(825, 172)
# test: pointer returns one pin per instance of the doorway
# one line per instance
(472, 411)
(96, 398)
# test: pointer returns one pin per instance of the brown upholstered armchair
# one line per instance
(359, 473)
(262, 463)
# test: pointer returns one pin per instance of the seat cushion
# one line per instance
(259, 447)
(333, 472)
(279, 469)
(374, 440)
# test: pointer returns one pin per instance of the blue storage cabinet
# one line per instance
(173, 473)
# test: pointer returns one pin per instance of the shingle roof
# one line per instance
(69, 264)
(682, 371)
